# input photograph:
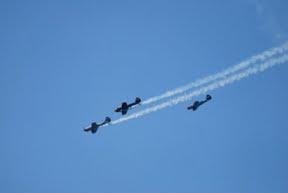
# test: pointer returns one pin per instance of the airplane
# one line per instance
(125, 107)
(94, 126)
(196, 104)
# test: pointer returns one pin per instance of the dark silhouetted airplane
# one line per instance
(125, 107)
(94, 126)
(196, 104)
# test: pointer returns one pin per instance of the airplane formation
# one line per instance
(123, 109)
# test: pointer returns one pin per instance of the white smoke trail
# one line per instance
(242, 65)
(214, 85)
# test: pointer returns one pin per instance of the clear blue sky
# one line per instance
(64, 64)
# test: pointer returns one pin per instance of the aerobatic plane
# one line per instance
(125, 107)
(196, 104)
(94, 126)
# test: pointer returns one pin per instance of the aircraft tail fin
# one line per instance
(107, 119)
(138, 100)
(208, 97)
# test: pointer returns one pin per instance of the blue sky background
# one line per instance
(64, 64)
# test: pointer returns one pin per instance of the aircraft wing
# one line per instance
(124, 111)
